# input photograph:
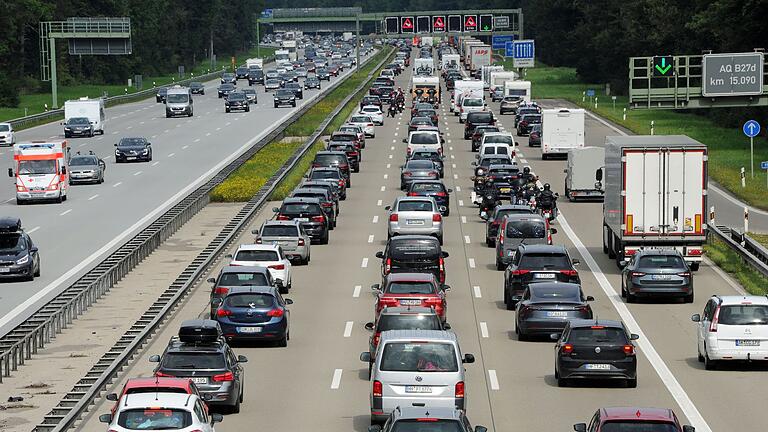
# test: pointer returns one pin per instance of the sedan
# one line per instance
(289, 235)
(417, 170)
(509, 104)
(237, 101)
(272, 84)
(265, 255)
(419, 121)
(296, 89)
(546, 307)
(228, 78)
(312, 83)
(251, 95)
(322, 74)
(225, 89)
(197, 88)
(86, 169)
(526, 122)
(255, 313)
(374, 113)
(657, 273)
(133, 149)
(284, 97)
(535, 264)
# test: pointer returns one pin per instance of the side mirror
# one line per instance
(216, 418)
(481, 429)
(590, 298)
(575, 261)
(105, 418)
(255, 232)
(446, 287)
(634, 336)
(580, 427)
(275, 210)
(211, 280)
(446, 326)
(688, 428)
(599, 174)
(553, 230)
(228, 256)
(375, 287)
(369, 326)
(115, 144)
(468, 358)
(554, 336)
(111, 397)
(10, 172)
(388, 208)
(405, 140)
(154, 358)
(365, 356)
(696, 318)
(289, 301)
(450, 190)
(380, 254)
(242, 359)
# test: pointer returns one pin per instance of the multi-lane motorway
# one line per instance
(96, 219)
(318, 383)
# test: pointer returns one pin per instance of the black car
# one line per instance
(432, 155)
(19, 257)
(330, 174)
(413, 254)
(161, 94)
(228, 78)
(657, 273)
(326, 201)
(130, 149)
(493, 221)
(197, 88)
(526, 122)
(225, 89)
(595, 349)
(322, 74)
(385, 93)
(435, 189)
(353, 154)
(310, 213)
(78, 126)
(475, 119)
(503, 177)
(296, 89)
(241, 73)
(201, 354)
(537, 263)
(255, 76)
(285, 97)
(237, 101)
(331, 186)
(523, 110)
(312, 82)
(547, 306)
(334, 160)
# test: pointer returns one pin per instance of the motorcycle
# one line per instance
(487, 205)
(549, 213)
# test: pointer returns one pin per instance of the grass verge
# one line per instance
(725, 258)
(728, 147)
(249, 178)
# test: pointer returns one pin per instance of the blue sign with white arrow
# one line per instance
(764, 165)
(509, 49)
(499, 42)
(591, 92)
(751, 128)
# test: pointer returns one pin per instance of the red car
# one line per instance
(412, 289)
(155, 384)
(633, 418)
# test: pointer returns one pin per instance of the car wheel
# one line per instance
(236, 407)
(324, 239)
(631, 383)
(695, 266)
(226, 109)
(275, 105)
(709, 364)
(688, 298)
(293, 104)
(282, 343)
(489, 242)
(631, 298)
(499, 265)
(562, 382)
(508, 301)
(440, 239)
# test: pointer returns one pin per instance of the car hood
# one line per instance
(11, 256)
(131, 148)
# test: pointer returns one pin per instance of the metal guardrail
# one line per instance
(750, 250)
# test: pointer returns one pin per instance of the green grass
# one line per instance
(725, 258)
(728, 147)
(35, 103)
(296, 175)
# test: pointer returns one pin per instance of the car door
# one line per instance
(594, 424)
(201, 416)
(703, 324)
(236, 369)
(287, 263)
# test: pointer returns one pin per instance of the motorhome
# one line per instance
(92, 109)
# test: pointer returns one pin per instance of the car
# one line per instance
(255, 314)
(534, 136)
(201, 353)
(493, 221)
(312, 82)
(546, 307)
(161, 411)
(255, 76)
(7, 134)
(595, 349)
(327, 184)
(155, 385)
(417, 170)
(411, 289)
(633, 419)
(430, 113)
(241, 73)
(351, 138)
(502, 177)
(355, 129)
(657, 273)
(19, 256)
(483, 165)
(432, 155)
(497, 94)
(228, 78)
(285, 97)
(434, 189)
(86, 168)
(436, 419)
(296, 89)
(478, 134)
(415, 215)
(407, 363)
(421, 139)
(419, 106)
(386, 93)
(272, 84)
(517, 229)
(133, 149)
(197, 88)
(468, 105)
(161, 94)
(225, 89)
(270, 256)
(301, 72)
(413, 253)
(732, 328)
(236, 276)
(502, 142)
(78, 126)
(509, 104)
(330, 174)
(525, 123)
(325, 196)
(251, 95)
(364, 121)
(334, 160)
(524, 110)
(237, 101)
(475, 119)
(322, 74)
(353, 153)
(374, 112)
(537, 263)
(370, 100)
(289, 235)
(419, 121)
(309, 213)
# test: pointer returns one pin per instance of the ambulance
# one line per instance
(40, 169)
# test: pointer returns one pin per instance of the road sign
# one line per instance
(470, 23)
(663, 66)
(499, 42)
(266, 13)
(738, 74)
(392, 25)
(591, 92)
(438, 23)
(486, 23)
(454, 23)
(523, 52)
(764, 165)
(751, 128)
(406, 24)
(500, 21)
(509, 49)
(423, 24)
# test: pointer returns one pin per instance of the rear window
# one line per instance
(544, 261)
(424, 206)
(493, 161)
(280, 231)
(525, 229)
(428, 425)
(480, 117)
(324, 175)
(301, 208)
(155, 419)
(427, 187)
(496, 150)
(420, 164)
(555, 293)
(243, 279)
(343, 137)
(249, 300)
(638, 426)
(472, 102)
(504, 171)
(329, 159)
(408, 322)
(194, 360)
(419, 357)
(597, 334)
(257, 255)
(743, 315)
(301, 194)
(502, 139)
(410, 288)
(361, 119)
(662, 261)
(401, 249)
(424, 138)
(532, 118)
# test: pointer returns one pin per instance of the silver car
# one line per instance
(86, 169)
(289, 235)
(520, 228)
(415, 215)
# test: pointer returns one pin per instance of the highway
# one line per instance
(96, 219)
(318, 383)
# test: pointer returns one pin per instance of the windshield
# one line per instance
(155, 419)
(194, 360)
(472, 102)
(424, 138)
(177, 98)
(279, 231)
(410, 288)
(82, 160)
(408, 322)
(243, 279)
(638, 426)
(78, 121)
(428, 425)
(743, 315)
(4, 128)
(502, 139)
(525, 229)
(419, 357)
(37, 166)
(544, 261)
(12, 243)
(417, 206)
(128, 142)
(249, 300)
(257, 255)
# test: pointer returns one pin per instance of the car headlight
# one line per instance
(145, 151)
(117, 152)
(23, 260)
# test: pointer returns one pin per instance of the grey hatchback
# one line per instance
(654, 273)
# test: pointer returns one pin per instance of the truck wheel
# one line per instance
(695, 266)
(619, 253)
(611, 249)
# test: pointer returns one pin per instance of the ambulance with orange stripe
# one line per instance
(41, 171)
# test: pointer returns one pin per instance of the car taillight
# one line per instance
(524, 123)
(713, 324)
(227, 376)
(442, 270)
(567, 349)
(388, 302)
(282, 217)
(301, 242)
(220, 291)
(437, 217)
(275, 313)
(377, 388)
(320, 218)
(326, 204)
(433, 302)
(441, 194)
(684, 274)
(461, 109)
(223, 313)
(433, 173)
(388, 266)
(629, 349)
(412, 194)
(163, 375)
(407, 174)
(277, 266)
(459, 392)
(637, 274)
(393, 217)
(569, 272)
(520, 272)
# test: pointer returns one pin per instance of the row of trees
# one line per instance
(165, 35)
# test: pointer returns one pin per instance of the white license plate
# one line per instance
(249, 329)
(130, 158)
(557, 314)
(302, 219)
(199, 380)
(661, 277)
(414, 222)
(410, 302)
(544, 275)
(747, 342)
(598, 366)
(418, 389)
(5, 270)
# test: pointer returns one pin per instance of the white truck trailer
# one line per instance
(486, 72)
(562, 129)
(580, 182)
(93, 109)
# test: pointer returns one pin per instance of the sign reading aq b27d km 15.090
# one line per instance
(738, 74)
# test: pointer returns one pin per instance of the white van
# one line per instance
(497, 143)
(468, 105)
(416, 366)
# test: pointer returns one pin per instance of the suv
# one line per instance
(329, 185)
(477, 118)
(520, 229)
(326, 201)
(310, 213)
(289, 235)
(732, 328)
(237, 101)
(537, 263)
(235, 276)
(415, 215)
(493, 221)
(201, 354)
(633, 418)
(434, 419)
(334, 160)
(329, 174)
(161, 411)
(255, 314)
(413, 253)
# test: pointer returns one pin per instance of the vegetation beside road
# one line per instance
(728, 260)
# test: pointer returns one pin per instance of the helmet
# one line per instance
(546, 186)
(527, 170)
(489, 182)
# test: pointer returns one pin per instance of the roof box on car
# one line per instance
(199, 331)
(10, 224)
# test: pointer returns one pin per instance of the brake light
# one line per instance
(459, 392)
(412, 194)
(275, 313)
(629, 349)
(163, 375)
(630, 252)
(567, 349)
(282, 217)
(393, 217)
(320, 218)
(442, 270)
(354, 153)
(227, 376)
(220, 290)
(377, 388)
(695, 252)
(301, 242)
(341, 183)
(437, 217)
(569, 272)
(326, 204)
(441, 194)
(433, 173)
(713, 324)
(524, 123)
(433, 419)
(277, 266)
(520, 272)
(223, 313)
(407, 174)
(433, 302)
(684, 274)
(387, 302)
(387, 265)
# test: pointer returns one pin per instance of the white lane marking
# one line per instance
(153, 136)
(383, 188)
(65, 212)
(461, 203)
(378, 203)
(458, 188)
(208, 134)
(484, 329)
(370, 238)
(386, 176)
(455, 176)
(390, 156)
(184, 147)
(336, 381)
(448, 134)
(493, 379)
(463, 219)
(93, 197)
(449, 141)
(137, 173)
(453, 157)
(466, 239)
(83, 144)
(348, 329)
(228, 123)
(165, 131)
(669, 380)
(171, 154)
(364, 264)
(389, 165)
(141, 122)
(397, 128)
(525, 161)
(393, 147)
(117, 184)
(478, 293)
(218, 129)
(196, 140)
(471, 263)
(453, 166)
(356, 292)
(155, 163)
(33, 230)
(450, 148)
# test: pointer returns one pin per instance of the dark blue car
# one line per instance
(255, 313)
(435, 189)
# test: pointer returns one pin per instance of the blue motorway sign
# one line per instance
(764, 165)
(499, 42)
(751, 128)
(266, 13)
(509, 49)
(524, 49)
(590, 92)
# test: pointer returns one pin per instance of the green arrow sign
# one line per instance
(662, 65)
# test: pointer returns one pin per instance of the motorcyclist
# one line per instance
(392, 108)
(527, 176)
(546, 199)
(490, 198)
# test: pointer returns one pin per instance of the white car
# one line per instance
(271, 84)
(423, 140)
(161, 412)
(7, 136)
(366, 122)
(265, 255)
(374, 113)
(732, 328)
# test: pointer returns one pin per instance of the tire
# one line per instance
(499, 265)
(605, 243)
(293, 104)
(282, 343)
(699, 357)
(236, 407)
(623, 290)
(508, 301)
(688, 298)
(631, 298)
(708, 363)
(611, 248)
(226, 110)
(562, 382)
(19, 202)
(324, 239)
(447, 212)
(490, 243)
(440, 240)
(631, 383)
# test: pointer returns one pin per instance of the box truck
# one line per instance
(583, 164)
(93, 109)
(465, 88)
(562, 129)
(347, 36)
(655, 196)
(40, 171)
(254, 62)
(426, 89)
(282, 57)
(479, 56)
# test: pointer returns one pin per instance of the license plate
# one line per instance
(410, 302)
(199, 380)
(302, 219)
(249, 329)
(418, 389)
(557, 314)
(747, 342)
(504, 190)
(131, 158)
(544, 276)
(661, 277)
(5, 270)
(415, 222)
(598, 367)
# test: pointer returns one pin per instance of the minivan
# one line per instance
(520, 228)
(178, 101)
(468, 105)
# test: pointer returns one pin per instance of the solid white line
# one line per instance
(137, 173)
(466, 239)
(478, 293)
(33, 230)
(93, 197)
(184, 147)
(196, 140)
(669, 380)
(383, 188)
(370, 238)
(364, 264)
(65, 212)
(463, 219)
(493, 378)
(356, 292)
(117, 184)
(471, 263)
(348, 329)
(484, 329)
(336, 381)
(171, 154)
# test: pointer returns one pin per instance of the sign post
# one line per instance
(764, 167)
(751, 128)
